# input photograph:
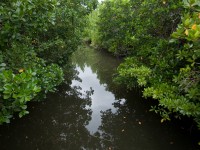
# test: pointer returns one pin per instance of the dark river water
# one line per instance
(93, 113)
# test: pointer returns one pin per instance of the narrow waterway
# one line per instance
(93, 113)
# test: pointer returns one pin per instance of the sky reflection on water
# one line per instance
(102, 100)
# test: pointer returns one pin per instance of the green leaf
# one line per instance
(6, 96)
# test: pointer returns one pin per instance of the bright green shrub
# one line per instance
(18, 89)
(115, 26)
(91, 33)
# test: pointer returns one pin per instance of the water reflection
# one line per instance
(59, 123)
(101, 99)
(126, 129)
(125, 121)
(93, 113)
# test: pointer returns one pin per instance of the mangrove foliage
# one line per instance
(160, 41)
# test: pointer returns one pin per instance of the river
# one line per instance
(93, 113)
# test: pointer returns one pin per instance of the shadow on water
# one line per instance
(57, 123)
(93, 113)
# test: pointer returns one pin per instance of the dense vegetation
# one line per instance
(160, 40)
(37, 38)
